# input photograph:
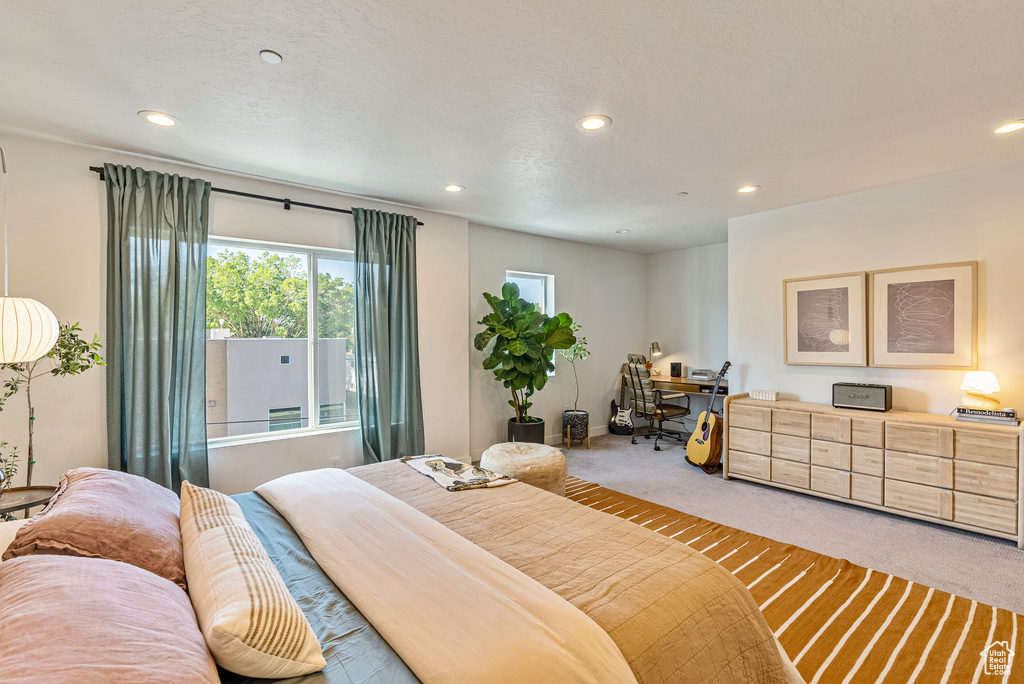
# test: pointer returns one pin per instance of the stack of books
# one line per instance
(1003, 416)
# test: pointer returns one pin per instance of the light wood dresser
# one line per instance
(921, 465)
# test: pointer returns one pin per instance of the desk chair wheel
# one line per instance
(657, 448)
(647, 436)
(634, 440)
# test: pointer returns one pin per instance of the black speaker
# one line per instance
(866, 397)
(677, 370)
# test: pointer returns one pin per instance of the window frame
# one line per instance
(548, 287)
(547, 282)
(311, 255)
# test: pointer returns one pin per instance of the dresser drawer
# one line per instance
(751, 441)
(982, 478)
(791, 448)
(791, 473)
(830, 428)
(796, 423)
(984, 511)
(866, 432)
(928, 470)
(751, 417)
(867, 460)
(751, 465)
(917, 498)
(830, 481)
(866, 488)
(830, 454)
(919, 439)
(997, 448)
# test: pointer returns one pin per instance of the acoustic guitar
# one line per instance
(704, 449)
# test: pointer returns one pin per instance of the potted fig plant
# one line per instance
(522, 346)
(575, 421)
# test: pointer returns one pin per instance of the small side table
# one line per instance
(24, 498)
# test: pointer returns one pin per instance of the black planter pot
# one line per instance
(577, 422)
(526, 432)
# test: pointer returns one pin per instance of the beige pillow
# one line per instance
(251, 623)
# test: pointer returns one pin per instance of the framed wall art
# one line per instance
(925, 317)
(825, 320)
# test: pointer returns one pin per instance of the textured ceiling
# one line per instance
(395, 99)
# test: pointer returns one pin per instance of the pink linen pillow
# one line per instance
(99, 513)
(95, 621)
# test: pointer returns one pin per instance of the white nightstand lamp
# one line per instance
(979, 387)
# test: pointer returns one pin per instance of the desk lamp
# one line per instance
(655, 351)
(979, 387)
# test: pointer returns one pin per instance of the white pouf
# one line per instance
(539, 465)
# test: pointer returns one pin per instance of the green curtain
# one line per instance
(156, 325)
(387, 341)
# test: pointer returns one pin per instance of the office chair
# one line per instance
(648, 403)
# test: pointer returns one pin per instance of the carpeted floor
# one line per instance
(981, 568)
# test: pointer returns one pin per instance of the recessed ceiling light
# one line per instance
(749, 188)
(622, 231)
(158, 118)
(454, 188)
(1011, 127)
(682, 194)
(593, 122)
(271, 57)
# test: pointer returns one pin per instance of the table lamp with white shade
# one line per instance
(979, 386)
(27, 328)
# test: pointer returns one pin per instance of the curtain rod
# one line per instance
(280, 200)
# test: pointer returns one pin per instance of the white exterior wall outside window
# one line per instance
(264, 368)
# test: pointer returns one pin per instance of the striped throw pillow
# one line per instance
(251, 623)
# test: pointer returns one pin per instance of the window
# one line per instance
(538, 288)
(285, 418)
(270, 354)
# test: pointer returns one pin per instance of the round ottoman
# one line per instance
(539, 465)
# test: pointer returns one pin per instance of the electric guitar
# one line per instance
(705, 446)
(621, 423)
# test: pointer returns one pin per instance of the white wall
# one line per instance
(977, 215)
(687, 306)
(602, 289)
(57, 232)
(687, 309)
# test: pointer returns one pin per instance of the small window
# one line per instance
(538, 288)
(286, 360)
(285, 418)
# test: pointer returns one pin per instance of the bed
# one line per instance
(673, 615)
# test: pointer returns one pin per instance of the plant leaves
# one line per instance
(518, 347)
(481, 339)
(509, 291)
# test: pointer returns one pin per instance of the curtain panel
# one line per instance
(156, 325)
(387, 338)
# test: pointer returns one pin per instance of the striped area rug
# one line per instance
(839, 622)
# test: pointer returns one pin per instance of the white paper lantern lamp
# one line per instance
(27, 328)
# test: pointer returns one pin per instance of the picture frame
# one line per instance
(825, 320)
(925, 317)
